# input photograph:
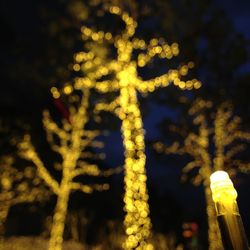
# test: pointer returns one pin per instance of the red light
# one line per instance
(194, 226)
(187, 234)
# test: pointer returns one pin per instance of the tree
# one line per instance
(121, 75)
(71, 141)
(213, 145)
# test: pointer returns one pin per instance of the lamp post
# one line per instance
(228, 216)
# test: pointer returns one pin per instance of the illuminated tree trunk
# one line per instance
(137, 222)
(3, 216)
(214, 237)
(4, 209)
(56, 237)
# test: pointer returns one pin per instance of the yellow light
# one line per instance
(191, 65)
(76, 67)
(95, 37)
(108, 36)
(184, 70)
(197, 84)
(55, 92)
(114, 10)
(222, 187)
(224, 196)
(153, 42)
(67, 89)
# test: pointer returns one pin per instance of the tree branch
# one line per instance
(27, 151)
(172, 76)
(241, 166)
(88, 188)
(108, 107)
(51, 127)
(175, 148)
(233, 151)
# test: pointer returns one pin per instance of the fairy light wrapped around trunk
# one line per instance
(229, 219)
(119, 74)
(72, 144)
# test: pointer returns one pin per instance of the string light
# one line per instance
(74, 140)
(127, 82)
(223, 135)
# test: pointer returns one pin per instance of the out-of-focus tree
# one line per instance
(72, 141)
(219, 51)
(18, 182)
(119, 74)
(214, 144)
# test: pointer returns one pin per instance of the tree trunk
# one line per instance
(4, 209)
(58, 223)
(214, 237)
(137, 222)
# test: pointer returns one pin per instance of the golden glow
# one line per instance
(224, 196)
(222, 187)
(55, 93)
(73, 141)
(76, 67)
(124, 79)
(67, 89)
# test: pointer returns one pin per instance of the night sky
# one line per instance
(19, 20)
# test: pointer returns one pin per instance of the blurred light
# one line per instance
(127, 83)
(72, 144)
(222, 187)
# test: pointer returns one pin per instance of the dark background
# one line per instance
(37, 45)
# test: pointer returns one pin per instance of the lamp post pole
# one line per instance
(228, 216)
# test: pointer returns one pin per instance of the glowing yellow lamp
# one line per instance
(228, 216)
(222, 189)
